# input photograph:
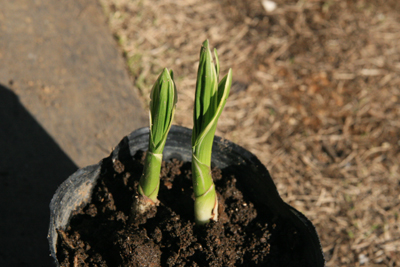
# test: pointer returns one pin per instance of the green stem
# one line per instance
(149, 183)
(206, 202)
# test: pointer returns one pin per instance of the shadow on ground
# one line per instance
(32, 166)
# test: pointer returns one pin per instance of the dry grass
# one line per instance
(316, 97)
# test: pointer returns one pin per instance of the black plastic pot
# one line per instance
(251, 175)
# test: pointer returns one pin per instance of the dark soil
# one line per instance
(102, 234)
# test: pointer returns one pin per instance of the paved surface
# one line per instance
(65, 101)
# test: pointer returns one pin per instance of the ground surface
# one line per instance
(316, 98)
(65, 100)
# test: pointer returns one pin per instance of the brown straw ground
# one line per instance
(316, 97)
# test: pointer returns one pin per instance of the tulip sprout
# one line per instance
(210, 100)
(162, 108)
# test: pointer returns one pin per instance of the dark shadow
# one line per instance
(32, 166)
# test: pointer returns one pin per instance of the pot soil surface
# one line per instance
(103, 233)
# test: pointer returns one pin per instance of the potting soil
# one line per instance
(104, 232)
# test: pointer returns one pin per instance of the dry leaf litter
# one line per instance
(316, 96)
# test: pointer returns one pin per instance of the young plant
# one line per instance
(210, 100)
(162, 108)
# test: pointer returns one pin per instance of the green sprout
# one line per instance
(162, 108)
(210, 100)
